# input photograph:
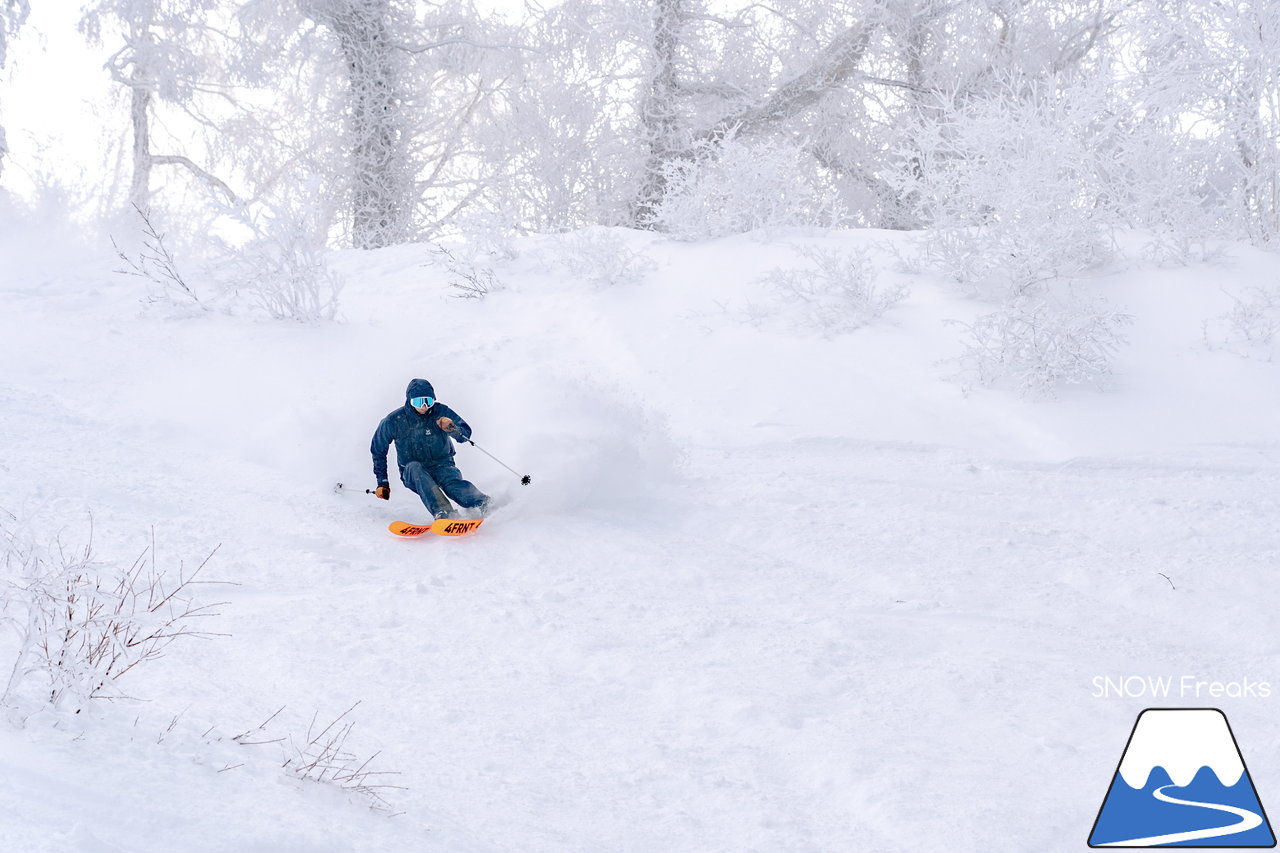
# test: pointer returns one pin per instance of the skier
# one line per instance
(421, 429)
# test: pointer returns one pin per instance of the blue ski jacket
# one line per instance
(417, 437)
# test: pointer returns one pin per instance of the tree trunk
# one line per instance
(658, 114)
(139, 107)
(382, 180)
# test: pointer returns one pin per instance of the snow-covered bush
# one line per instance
(78, 625)
(1251, 329)
(1171, 184)
(285, 275)
(1036, 344)
(1013, 254)
(735, 186)
(837, 292)
(281, 272)
(602, 258)
(488, 235)
(1010, 181)
(1180, 247)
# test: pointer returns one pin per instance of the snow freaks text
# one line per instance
(1177, 687)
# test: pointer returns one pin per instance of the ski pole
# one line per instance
(344, 488)
(525, 479)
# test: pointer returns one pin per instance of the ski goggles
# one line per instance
(419, 402)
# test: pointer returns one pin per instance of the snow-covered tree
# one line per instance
(462, 69)
(713, 78)
(13, 13)
(1206, 83)
(555, 138)
(169, 52)
(842, 83)
(12, 16)
(387, 120)
(374, 99)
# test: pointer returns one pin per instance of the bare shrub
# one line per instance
(79, 625)
(472, 282)
(322, 756)
(156, 264)
(468, 279)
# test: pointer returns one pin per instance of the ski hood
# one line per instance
(418, 388)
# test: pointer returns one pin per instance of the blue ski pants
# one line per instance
(421, 479)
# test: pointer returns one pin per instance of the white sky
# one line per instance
(53, 102)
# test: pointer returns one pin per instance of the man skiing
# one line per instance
(421, 430)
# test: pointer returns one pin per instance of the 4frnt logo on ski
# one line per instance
(440, 527)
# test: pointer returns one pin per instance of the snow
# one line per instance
(769, 589)
(1181, 742)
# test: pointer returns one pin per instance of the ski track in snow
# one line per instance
(763, 642)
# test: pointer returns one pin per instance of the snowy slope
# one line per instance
(769, 590)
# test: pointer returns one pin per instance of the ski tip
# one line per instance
(402, 528)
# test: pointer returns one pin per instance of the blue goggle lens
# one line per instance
(419, 402)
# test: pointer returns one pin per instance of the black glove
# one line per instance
(383, 491)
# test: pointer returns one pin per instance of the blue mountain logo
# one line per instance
(1182, 783)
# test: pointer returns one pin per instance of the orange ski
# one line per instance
(440, 527)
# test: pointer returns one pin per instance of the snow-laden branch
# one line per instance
(211, 180)
(835, 64)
